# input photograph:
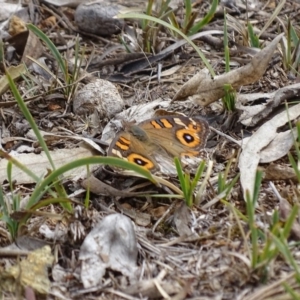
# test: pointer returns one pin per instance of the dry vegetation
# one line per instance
(234, 242)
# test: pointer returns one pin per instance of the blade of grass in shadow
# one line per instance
(150, 18)
(188, 12)
(41, 35)
(29, 118)
(35, 129)
(149, 13)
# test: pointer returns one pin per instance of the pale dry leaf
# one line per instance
(204, 89)
(251, 154)
(139, 218)
(39, 163)
(253, 114)
(111, 244)
(182, 219)
(15, 72)
(279, 146)
(148, 289)
(28, 45)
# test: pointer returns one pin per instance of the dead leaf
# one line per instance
(279, 146)
(253, 148)
(49, 22)
(204, 89)
(15, 73)
(27, 45)
(183, 220)
(252, 114)
(39, 163)
(111, 244)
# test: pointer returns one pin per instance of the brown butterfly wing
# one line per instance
(178, 135)
(127, 146)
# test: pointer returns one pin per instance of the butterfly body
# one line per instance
(158, 140)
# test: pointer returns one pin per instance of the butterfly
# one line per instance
(155, 142)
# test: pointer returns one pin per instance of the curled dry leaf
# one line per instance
(204, 89)
(253, 114)
(111, 244)
(183, 220)
(27, 45)
(254, 147)
(279, 146)
(15, 72)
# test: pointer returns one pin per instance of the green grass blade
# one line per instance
(207, 18)
(188, 12)
(181, 176)
(112, 161)
(29, 118)
(41, 35)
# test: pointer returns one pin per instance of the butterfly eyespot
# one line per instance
(141, 161)
(188, 138)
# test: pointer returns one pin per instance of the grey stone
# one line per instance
(97, 18)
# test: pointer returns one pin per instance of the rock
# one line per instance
(97, 18)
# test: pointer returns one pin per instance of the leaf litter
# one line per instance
(162, 249)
